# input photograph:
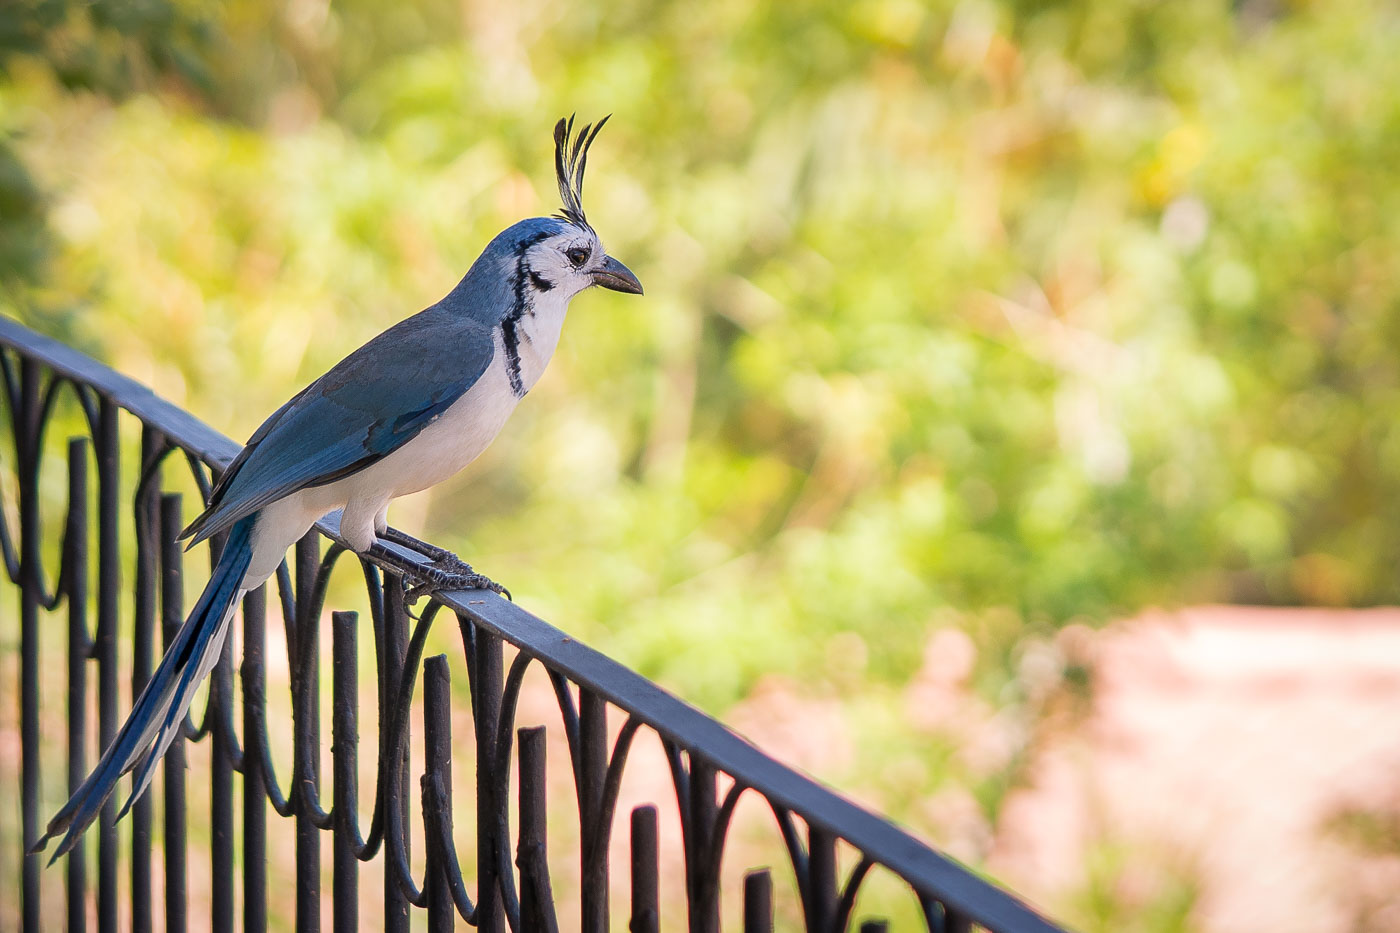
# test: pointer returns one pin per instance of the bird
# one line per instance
(410, 408)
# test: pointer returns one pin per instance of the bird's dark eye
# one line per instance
(578, 255)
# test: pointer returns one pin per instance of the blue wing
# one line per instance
(369, 405)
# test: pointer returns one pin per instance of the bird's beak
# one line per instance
(616, 276)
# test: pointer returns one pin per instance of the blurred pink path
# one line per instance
(1223, 747)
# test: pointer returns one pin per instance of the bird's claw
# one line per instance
(448, 572)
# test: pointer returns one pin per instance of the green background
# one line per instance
(994, 317)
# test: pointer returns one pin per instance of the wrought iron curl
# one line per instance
(30, 456)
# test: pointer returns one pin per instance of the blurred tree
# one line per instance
(1035, 311)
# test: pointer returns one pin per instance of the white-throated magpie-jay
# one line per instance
(403, 412)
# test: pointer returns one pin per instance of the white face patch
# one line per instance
(545, 276)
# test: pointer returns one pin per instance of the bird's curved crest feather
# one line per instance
(569, 162)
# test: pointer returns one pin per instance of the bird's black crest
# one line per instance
(568, 166)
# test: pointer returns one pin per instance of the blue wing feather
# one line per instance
(369, 405)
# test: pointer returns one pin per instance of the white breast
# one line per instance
(453, 440)
(540, 329)
(463, 431)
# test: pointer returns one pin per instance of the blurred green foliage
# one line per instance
(964, 317)
(1031, 311)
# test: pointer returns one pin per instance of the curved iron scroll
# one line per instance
(508, 883)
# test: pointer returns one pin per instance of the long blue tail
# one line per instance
(158, 713)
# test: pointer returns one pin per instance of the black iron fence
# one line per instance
(116, 557)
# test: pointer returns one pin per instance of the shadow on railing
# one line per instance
(711, 768)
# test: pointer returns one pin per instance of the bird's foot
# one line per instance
(448, 572)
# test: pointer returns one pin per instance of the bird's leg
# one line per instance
(430, 551)
(446, 572)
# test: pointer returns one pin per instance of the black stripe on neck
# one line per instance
(522, 299)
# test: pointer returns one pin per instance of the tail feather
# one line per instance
(207, 656)
(157, 714)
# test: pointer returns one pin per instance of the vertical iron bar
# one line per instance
(395, 650)
(253, 675)
(108, 587)
(142, 649)
(172, 615)
(437, 778)
(758, 901)
(75, 556)
(345, 741)
(28, 447)
(307, 731)
(399, 608)
(821, 868)
(486, 708)
(532, 851)
(703, 888)
(221, 779)
(593, 752)
(646, 882)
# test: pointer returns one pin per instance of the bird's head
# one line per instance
(560, 256)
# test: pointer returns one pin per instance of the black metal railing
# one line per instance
(710, 768)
